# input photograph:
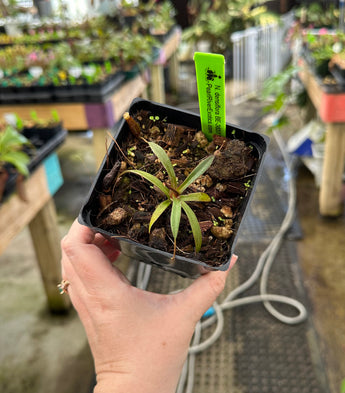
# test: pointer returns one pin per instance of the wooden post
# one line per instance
(173, 72)
(46, 239)
(157, 83)
(333, 167)
(101, 142)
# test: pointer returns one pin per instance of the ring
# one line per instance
(63, 286)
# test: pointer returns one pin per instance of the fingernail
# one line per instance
(233, 260)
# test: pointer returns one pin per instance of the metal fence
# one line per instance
(258, 53)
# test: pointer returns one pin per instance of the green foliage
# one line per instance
(278, 88)
(277, 84)
(11, 144)
(322, 54)
(55, 116)
(317, 15)
(34, 117)
(19, 122)
(175, 196)
(160, 21)
(216, 21)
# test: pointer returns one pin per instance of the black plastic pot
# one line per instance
(320, 67)
(186, 267)
(44, 142)
(339, 75)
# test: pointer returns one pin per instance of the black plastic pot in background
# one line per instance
(338, 74)
(44, 141)
(185, 267)
(320, 66)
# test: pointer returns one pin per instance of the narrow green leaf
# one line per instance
(55, 115)
(195, 197)
(34, 117)
(158, 212)
(18, 159)
(196, 172)
(151, 179)
(19, 122)
(165, 160)
(194, 223)
(11, 139)
(175, 217)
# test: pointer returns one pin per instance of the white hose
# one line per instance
(261, 272)
(262, 269)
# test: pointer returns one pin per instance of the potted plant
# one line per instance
(51, 125)
(128, 12)
(184, 215)
(44, 135)
(136, 52)
(13, 161)
(159, 22)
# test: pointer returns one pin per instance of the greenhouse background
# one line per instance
(69, 71)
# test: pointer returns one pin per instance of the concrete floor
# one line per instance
(41, 353)
(322, 259)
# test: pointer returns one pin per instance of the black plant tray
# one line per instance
(183, 266)
(89, 93)
(44, 142)
(69, 93)
(44, 132)
(25, 94)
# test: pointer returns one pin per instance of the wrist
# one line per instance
(116, 383)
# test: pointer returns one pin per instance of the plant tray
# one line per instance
(89, 93)
(69, 93)
(186, 267)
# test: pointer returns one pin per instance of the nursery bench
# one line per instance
(102, 116)
(330, 107)
(38, 212)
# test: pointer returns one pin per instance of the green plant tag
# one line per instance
(210, 79)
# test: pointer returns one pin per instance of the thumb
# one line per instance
(202, 293)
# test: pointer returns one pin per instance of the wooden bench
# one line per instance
(331, 109)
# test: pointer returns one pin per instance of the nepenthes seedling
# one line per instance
(175, 196)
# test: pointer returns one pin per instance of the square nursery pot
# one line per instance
(43, 141)
(192, 265)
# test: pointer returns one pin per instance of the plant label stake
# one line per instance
(210, 77)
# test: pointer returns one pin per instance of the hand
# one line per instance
(139, 340)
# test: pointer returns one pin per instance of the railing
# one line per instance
(258, 53)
